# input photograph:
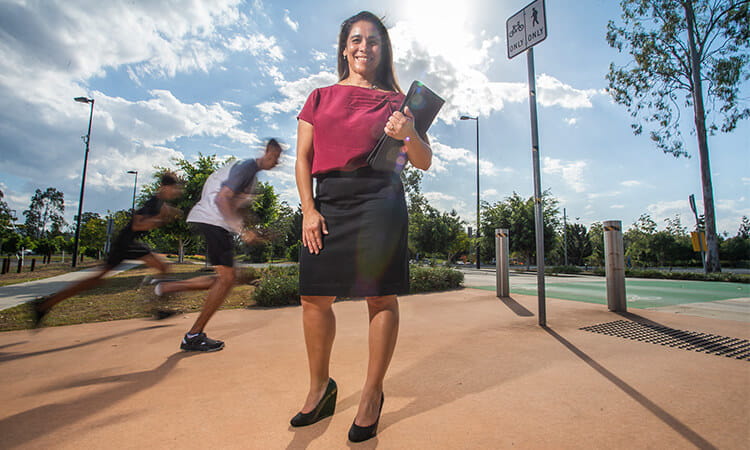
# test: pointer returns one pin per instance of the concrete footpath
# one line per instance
(471, 371)
(15, 294)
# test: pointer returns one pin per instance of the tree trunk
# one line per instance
(712, 242)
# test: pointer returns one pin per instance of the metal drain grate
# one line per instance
(670, 337)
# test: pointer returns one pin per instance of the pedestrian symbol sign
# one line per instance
(526, 28)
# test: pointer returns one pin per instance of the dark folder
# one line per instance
(424, 104)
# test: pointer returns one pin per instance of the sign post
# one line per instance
(524, 30)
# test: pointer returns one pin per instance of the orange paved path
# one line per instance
(468, 372)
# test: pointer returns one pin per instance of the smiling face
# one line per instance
(363, 49)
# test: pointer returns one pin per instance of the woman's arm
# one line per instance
(401, 126)
(313, 223)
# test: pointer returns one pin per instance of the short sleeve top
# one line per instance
(347, 123)
(240, 177)
(151, 208)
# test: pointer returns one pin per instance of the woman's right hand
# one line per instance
(313, 229)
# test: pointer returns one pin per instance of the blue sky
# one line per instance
(172, 79)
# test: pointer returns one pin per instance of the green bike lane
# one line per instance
(705, 298)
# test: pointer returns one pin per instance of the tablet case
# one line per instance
(424, 104)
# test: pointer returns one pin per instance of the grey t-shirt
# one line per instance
(240, 177)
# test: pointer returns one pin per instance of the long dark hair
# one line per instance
(385, 76)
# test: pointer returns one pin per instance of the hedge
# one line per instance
(279, 286)
(693, 276)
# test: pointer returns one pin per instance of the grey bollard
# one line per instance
(614, 263)
(502, 255)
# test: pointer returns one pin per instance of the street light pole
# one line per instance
(135, 183)
(477, 232)
(83, 178)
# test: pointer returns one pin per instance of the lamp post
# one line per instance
(87, 138)
(477, 232)
(135, 183)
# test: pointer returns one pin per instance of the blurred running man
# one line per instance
(217, 215)
(154, 213)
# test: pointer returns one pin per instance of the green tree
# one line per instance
(438, 232)
(178, 235)
(744, 231)
(736, 250)
(7, 227)
(7, 218)
(93, 234)
(272, 219)
(677, 46)
(638, 241)
(596, 237)
(45, 213)
(517, 215)
(579, 244)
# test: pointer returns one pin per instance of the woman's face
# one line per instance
(363, 49)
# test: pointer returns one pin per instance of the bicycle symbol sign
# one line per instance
(526, 28)
(518, 26)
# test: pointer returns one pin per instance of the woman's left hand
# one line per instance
(401, 125)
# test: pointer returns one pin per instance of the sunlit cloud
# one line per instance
(288, 20)
(571, 172)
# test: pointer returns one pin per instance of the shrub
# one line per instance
(431, 279)
(292, 253)
(562, 269)
(279, 286)
(694, 276)
(247, 275)
(697, 276)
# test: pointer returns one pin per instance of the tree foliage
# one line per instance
(579, 246)
(677, 46)
(45, 213)
(658, 81)
(517, 215)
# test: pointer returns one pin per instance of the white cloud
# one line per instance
(257, 44)
(570, 171)
(83, 40)
(438, 196)
(746, 181)
(553, 92)
(617, 206)
(444, 156)
(288, 20)
(294, 93)
(668, 208)
(571, 120)
(318, 55)
(631, 183)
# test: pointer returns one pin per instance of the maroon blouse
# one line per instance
(347, 123)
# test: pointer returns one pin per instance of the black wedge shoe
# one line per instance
(325, 408)
(361, 434)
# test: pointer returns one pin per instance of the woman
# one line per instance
(355, 229)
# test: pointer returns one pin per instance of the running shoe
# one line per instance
(163, 313)
(200, 343)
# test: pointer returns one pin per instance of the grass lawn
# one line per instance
(41, 270)
(121, 297)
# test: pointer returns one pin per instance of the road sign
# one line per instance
(526, 28)
(698, 240)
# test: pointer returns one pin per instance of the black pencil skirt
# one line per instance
(365, 252)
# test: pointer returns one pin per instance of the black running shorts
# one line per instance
(219, 244)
